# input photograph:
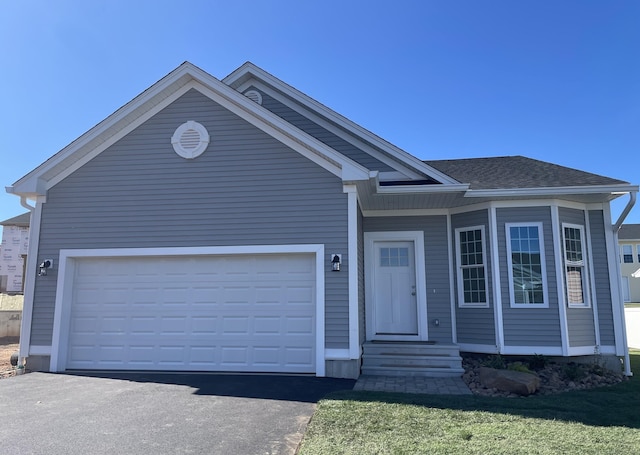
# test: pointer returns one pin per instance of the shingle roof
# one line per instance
(629, 232)
(20, 220)
(505, 172)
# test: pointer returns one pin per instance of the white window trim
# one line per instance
(637, 258)
(585, 268)
(622, 253)
(459, 267)
(545, 290)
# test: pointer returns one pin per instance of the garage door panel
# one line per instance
(230, 313)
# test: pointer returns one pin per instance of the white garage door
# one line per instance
(199, 313)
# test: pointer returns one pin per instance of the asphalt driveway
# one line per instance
(154, 413)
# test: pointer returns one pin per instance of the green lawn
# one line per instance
(599, 421)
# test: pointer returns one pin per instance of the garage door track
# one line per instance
(158, 413)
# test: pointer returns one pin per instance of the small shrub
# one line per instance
(597, 369)
(519, 366)
(495, 361)
(572, 371)
(538, 362)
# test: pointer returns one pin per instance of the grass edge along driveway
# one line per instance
(598, 421)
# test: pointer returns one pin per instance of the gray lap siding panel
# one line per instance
(529, 326)
(322, 134)
(436, 247)
(475, 325)
(579, 320)
(601, 272)
(246, 189)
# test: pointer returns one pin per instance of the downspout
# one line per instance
(25, 204)
(616, 228)
(625, 212)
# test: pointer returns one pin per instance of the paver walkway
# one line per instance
(413, 384)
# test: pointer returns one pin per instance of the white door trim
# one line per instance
(417, 237)
(66, 273)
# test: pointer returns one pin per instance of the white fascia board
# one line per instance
(193, 77)
(399, 154)
(551, 191)
(436, 188)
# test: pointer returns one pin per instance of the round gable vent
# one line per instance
(254, 96)
(190, 140)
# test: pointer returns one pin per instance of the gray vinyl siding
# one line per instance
(579, 320)
(529, 326)
(601, 272)
(322, 134)
(246, 189)
(474, 325)
(436, 247)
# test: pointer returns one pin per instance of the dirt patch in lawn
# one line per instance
(8, 345)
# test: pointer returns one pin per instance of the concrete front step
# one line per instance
(388, 348)
(411, 359)
(437, 361)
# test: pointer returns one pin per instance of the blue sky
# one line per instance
(552, 80)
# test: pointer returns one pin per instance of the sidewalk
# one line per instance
(413, 384)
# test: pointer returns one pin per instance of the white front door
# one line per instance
(396, 310)
(395, 296)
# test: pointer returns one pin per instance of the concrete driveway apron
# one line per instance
(158, 413)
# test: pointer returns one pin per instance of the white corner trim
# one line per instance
(495, 273)
(556, 230)
(452, 284)
(30, 278)
(615, 283)
(352, 235)
(66, 272)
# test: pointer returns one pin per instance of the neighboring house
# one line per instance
(13, 251)
(239, 225)
(629, 240)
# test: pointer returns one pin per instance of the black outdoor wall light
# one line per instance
(335, 262)
(44, 265)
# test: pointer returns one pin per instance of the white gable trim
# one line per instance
(394, 164)
(240, 75)
(159, 96)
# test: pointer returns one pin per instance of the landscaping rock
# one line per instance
(553, 378)
(509, 381)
